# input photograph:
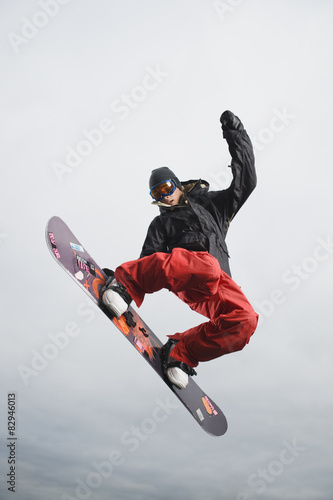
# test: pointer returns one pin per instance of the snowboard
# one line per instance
(76, 261)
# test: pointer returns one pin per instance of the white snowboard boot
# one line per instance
(176, 371)
(115, 297)
(177, 377)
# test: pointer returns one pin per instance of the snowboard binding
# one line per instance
(114, 295)
(176, 372)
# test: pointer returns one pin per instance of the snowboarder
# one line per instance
(185, 252)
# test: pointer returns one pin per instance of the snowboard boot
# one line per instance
(114, 295)
(176, 371)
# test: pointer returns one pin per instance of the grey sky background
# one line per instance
(93, 420)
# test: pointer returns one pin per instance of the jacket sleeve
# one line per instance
(155, 240)
(230, 200)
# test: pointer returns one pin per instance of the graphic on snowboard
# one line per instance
(76, 261)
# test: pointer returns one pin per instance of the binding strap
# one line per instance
(167, 352)
(183, 366)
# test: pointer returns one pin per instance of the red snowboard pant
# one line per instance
(197, 279)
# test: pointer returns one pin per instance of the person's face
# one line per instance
(166, 192)
(174, 198)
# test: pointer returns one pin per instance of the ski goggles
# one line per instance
(165, 188)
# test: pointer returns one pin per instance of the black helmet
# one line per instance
(162, 174)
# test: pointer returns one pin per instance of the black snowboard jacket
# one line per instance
(202, 218)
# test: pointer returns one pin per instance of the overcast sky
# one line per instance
(94, 95)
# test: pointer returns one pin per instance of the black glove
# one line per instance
(229, 121)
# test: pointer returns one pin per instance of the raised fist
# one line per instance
(229, 121)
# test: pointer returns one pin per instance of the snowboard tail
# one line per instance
(76, 261)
